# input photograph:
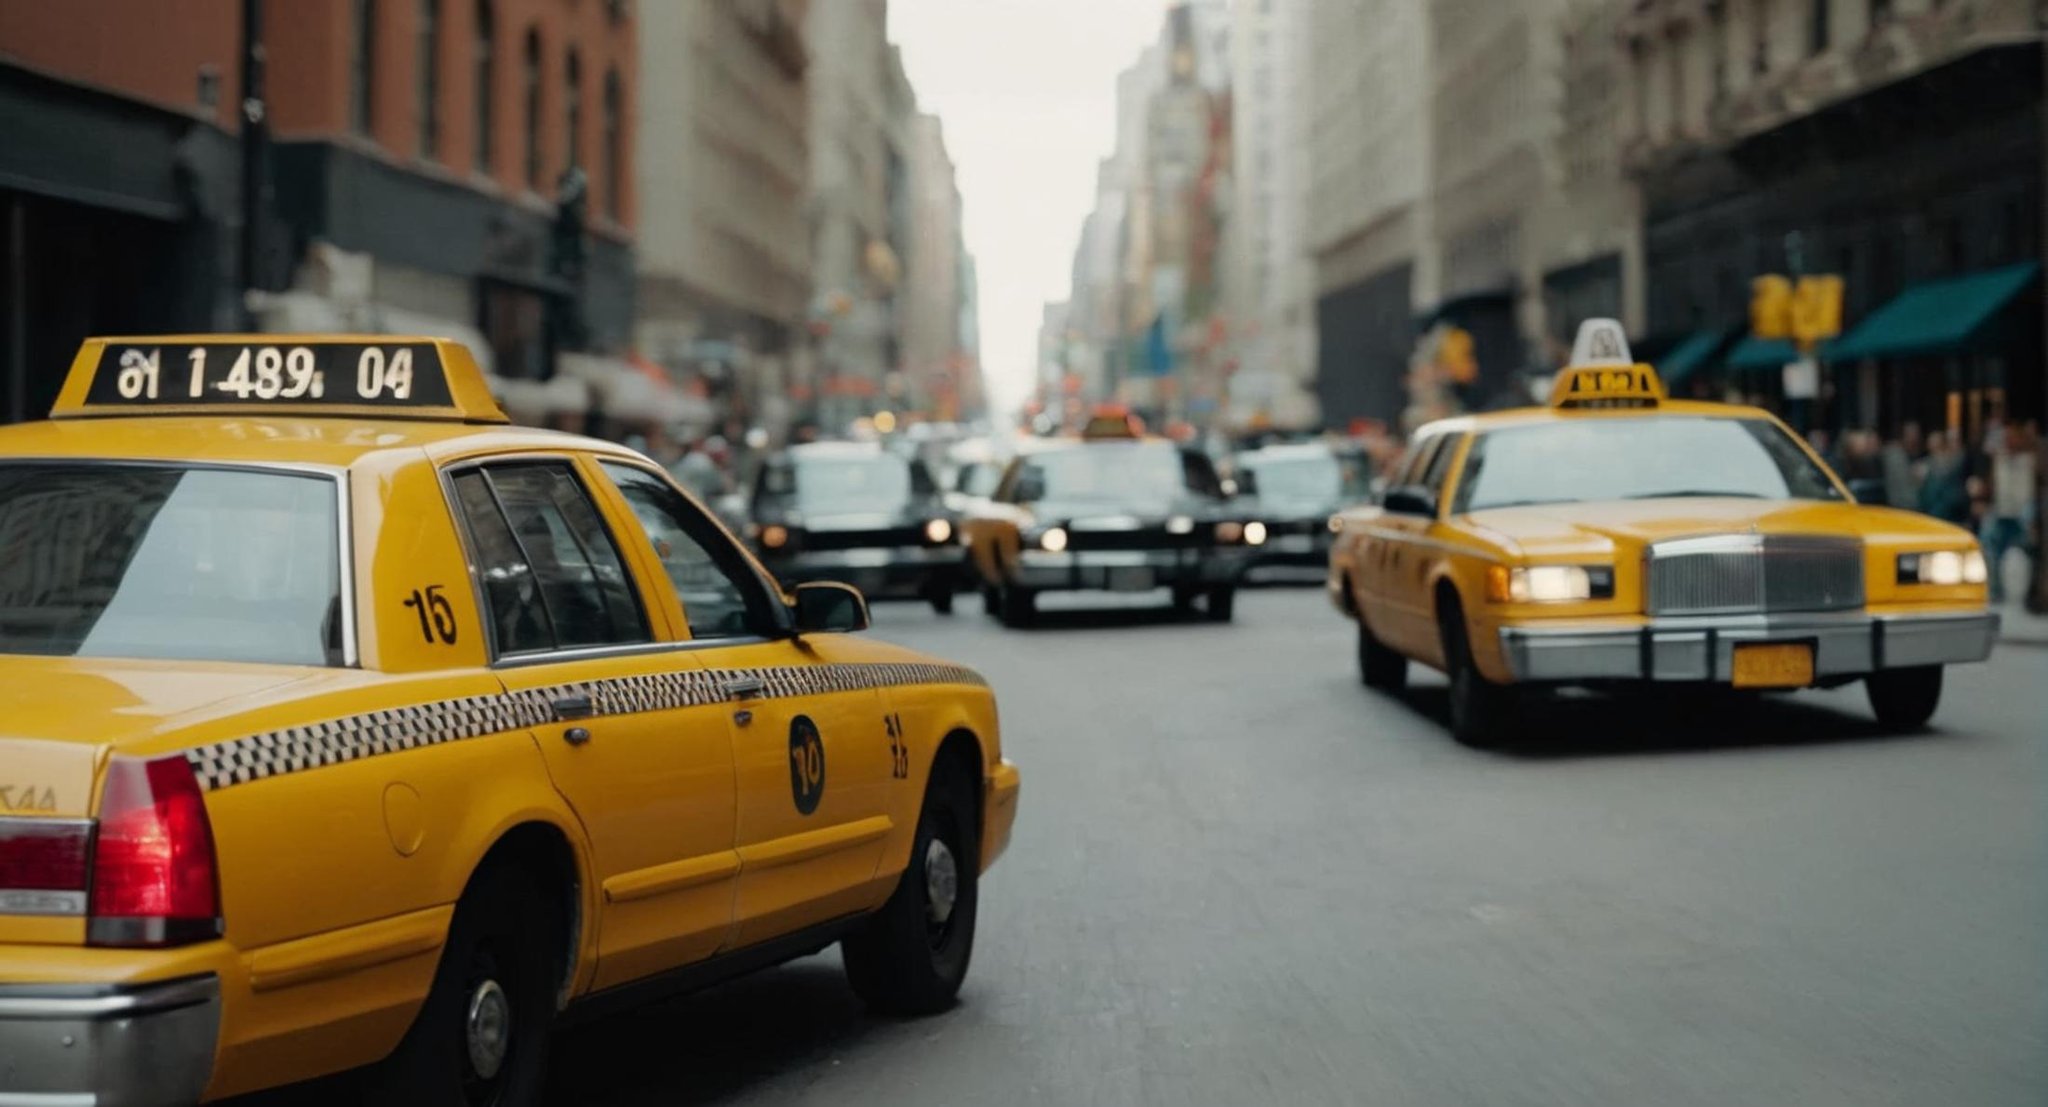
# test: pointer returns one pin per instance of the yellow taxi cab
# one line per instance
(1110, 510)
(342, 724)
(1617, 537)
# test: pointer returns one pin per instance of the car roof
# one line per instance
(1534, 416)
(340, 443)
(838, 450)
(1286, 452)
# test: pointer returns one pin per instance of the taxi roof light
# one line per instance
(1603, 373)
(357, 376)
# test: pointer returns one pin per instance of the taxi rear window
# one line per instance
(170, 562)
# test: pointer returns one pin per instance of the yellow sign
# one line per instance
(1607, 386)
(1817, 309)
(1770, 307)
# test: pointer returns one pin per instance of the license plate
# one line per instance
(1774, 665)
(1130, 580)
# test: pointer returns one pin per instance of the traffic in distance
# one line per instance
(563, 743)
(349, 727)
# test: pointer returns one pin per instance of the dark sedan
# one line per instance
(855, 513)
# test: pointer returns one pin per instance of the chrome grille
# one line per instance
(1737, 573)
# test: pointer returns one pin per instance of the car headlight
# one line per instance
(1180, 524)
(1336, 524)
(938, 531)
(1944, 567)
(1227, 533)
(1255, 533)
(774, 537)
(1053, 540)
(1549, 583)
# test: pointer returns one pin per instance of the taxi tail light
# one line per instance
(155, 877)
(45, 856)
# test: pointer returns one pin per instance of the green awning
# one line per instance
(1687, 358)
(1938, 317)
(1755, 355)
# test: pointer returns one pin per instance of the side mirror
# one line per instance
(828, 607)
(1410, 500)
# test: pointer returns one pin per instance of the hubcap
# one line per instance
(941, 881)
(489, 1028)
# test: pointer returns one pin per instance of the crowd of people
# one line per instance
(1993, 485)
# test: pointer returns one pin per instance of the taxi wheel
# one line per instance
(991, 601)
(1222, 604)
(941, 599)
(911, 956)
(1480, 709)
(1379, 666)
(1018, 606)
(481, 1037)
(1904, 699)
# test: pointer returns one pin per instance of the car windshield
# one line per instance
(1638, 459)
(1310, 478)
(160, 561)
(882, 482)
(1139, 474)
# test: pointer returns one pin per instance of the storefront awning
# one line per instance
(1938, 317)
(1690, 355)
(1757, 355)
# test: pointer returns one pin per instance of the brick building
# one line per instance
(418, 151)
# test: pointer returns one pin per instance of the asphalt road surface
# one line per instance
(1240, 878)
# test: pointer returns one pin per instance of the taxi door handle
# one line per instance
(574, 707)
(745, 688)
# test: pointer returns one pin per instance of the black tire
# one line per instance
(991, 601)
(1019, 606)
(941, 599)
(1378, 665)
(1481, 711)
(910, 957)
(1904, 699)
(1222, 604)
(506, 941)
(1184, 597)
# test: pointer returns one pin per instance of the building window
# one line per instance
(531, 92)
(362, 70)
(1880, 10)
(618, 10)
(614, 144)
(1817, 26)
(484, 64)
(427, 66)
(572, 104)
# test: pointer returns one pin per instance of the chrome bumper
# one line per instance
(1129, 570)
(1701, 649)
(107, 1046)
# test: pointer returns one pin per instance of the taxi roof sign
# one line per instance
(1113, 421)
(1603, 373)
(364, 376)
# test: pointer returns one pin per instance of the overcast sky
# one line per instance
(1026, 90)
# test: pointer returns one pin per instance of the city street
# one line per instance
(1241, 878)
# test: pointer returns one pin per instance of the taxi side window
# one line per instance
(552, 575)
(1417, 462)
(721, 596)
(1439, 468)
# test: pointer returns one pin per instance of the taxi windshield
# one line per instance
(1134, 474)
(882, 482)
(164, 561)
(1309, 478)
(1638, 459)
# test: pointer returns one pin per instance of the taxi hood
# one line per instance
(1626, 526)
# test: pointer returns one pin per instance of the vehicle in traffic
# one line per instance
(860, 514)
(1111, 510)
(1618, 538)
(1294, 489)
(346, 725)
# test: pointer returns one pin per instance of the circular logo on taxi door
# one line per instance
(806, 764)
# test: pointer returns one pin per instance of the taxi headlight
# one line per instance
(774, 538)
(938, 531)
(1255, 533)
(1227, 533)
(1053, 540)
(1943, 567)
(1549, 583)
(1336, 524)
(1180, 524)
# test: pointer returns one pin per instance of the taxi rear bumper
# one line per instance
(1700, 650)
(1129, 570)
(100, 1045)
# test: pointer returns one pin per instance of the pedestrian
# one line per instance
(1901, 462)
(2009, 515)
(1943, 491)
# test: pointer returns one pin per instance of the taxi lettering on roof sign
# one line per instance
(1113, 421)
(337, 712)
(1602, 373)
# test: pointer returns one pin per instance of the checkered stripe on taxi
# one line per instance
(393, 730)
